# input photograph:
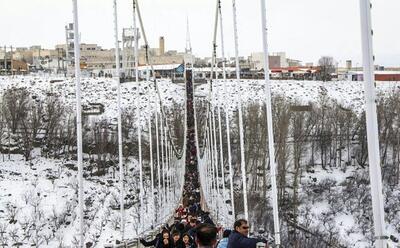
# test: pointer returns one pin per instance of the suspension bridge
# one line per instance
(196, 171)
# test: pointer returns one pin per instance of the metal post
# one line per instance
(210, 161)
(151, 168)
(214, 135)
(158, 161)
(162, 159)
(166, 164)
(270, 126)
(11, 61)
(139, 134)
(241, 138)
(5, 60)
(219, 102)
(372, 125)
(221, 151)
(66, 50)
(228, 138)
(138, 114)
(121, 166)
(78, 121)
(221, 26)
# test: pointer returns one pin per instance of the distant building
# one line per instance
(276, 60)
(296, 73)
(162, 46)
(379, 75)
(293, 62)
(160, 56)
(349, 65)
(171, 71)
(14, 67)
(93, 57)
(2, 53)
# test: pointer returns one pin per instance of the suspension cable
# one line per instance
(219, 97)
(270, 127)
(148, 61)
(158, 161)
(78, 120)
(151, 165)
(221, 26)
(241, 136)
(138, 115)
(120, 156)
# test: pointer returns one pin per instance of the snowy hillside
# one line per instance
(39, 197)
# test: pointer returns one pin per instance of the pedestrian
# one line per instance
(187, 241)
(239, 236)
(162, 240)
(176, 239)
(223, 243)
(206, 236)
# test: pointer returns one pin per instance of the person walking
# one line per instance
(223, 243)
(206, 236)
(187, 241)
(239, 236)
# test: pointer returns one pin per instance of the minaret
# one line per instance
(188, 48)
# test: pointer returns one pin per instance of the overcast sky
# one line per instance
(304, 29)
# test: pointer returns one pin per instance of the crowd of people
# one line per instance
(191, 231)
(193, 227)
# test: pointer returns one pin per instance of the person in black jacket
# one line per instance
(187, 241)
(239, 236)
(206, 236)
(162, 240)
(176, 239)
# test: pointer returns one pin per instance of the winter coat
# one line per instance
(237, 240)
(223, 243)
(162, 245)
(157, 242)
(178, 244)
(154, 242)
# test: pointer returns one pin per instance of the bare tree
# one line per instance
(327, 67)
(52, 121)
(15, 107)
(30, 126)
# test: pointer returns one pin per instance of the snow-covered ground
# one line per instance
(44, 191)
(100, 90)
(349, 94)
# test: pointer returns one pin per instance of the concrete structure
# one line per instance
(128, 58)
(69, 48)
(14, 67)
(94, 57)
(276, 60)
(172, 71)
(379, 76)
(349, 65)
(162, 46)
(2, 53)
